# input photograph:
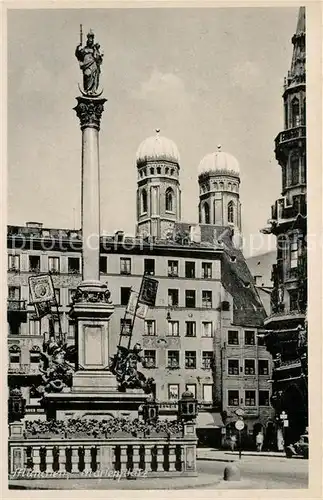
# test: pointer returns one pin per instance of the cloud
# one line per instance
(35, 77)
(246, 75)
(164, 91)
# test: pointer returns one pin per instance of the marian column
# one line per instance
(92, 306)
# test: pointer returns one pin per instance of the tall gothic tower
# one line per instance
(219, 182)
(158, 189)
(286, 336)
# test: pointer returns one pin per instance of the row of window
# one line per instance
(173, 298)
(173, 359)
(150, 329)
(15, 355)
(174, 329)
(207, 392)
(170, 201)
(14, 293)
(249, 367)
(228, 186)
(206, 212)
(73, 263)
(249, 398)
(143, 172)
(125, 266)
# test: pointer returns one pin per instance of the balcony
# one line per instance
(17, 309)
(285, 315)
(282, 212)
(289, 135)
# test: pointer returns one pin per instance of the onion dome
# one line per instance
(219, 162)
(157, 148)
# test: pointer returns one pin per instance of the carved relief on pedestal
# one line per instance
(92, 296)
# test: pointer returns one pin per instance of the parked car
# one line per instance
(299, 448)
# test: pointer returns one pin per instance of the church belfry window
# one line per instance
(143, 201)
(230, 212)
(295, 113)
(206, 213)
(169, 200)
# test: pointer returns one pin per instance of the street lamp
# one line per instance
(187, 407)
(284, 419)
(150, 410)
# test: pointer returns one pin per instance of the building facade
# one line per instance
(202, 334)
(286, 328)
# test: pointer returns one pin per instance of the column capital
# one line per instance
(89, 110)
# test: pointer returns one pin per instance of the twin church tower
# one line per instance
(159, 193)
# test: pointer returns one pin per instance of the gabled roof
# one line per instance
(238, 281)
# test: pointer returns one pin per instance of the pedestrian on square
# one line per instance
(233, 442)
(259, 441)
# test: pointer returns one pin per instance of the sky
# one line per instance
(203, 76)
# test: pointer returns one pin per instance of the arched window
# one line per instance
(230, 211)
(14, 354)
(158, 170)
(295, 113)
(166, 170)
(169, 197)
(286, 114)
(294, 167)
(206, 213)
(216, 186)
(229, 186)
(152, 171)
(221, 185)
(143, 201)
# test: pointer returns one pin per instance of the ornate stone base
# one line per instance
(92, 309)
(95, 404)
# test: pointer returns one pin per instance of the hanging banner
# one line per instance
(133, 303)
(42, 309)
(148, 291)
(41, 288)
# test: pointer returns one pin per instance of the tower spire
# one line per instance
(296, 75)
(301, 21)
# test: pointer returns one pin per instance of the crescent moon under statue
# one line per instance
(89, 95)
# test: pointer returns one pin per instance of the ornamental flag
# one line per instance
(41, 288)
(133, 304)
(148, 291)
(42, 309)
